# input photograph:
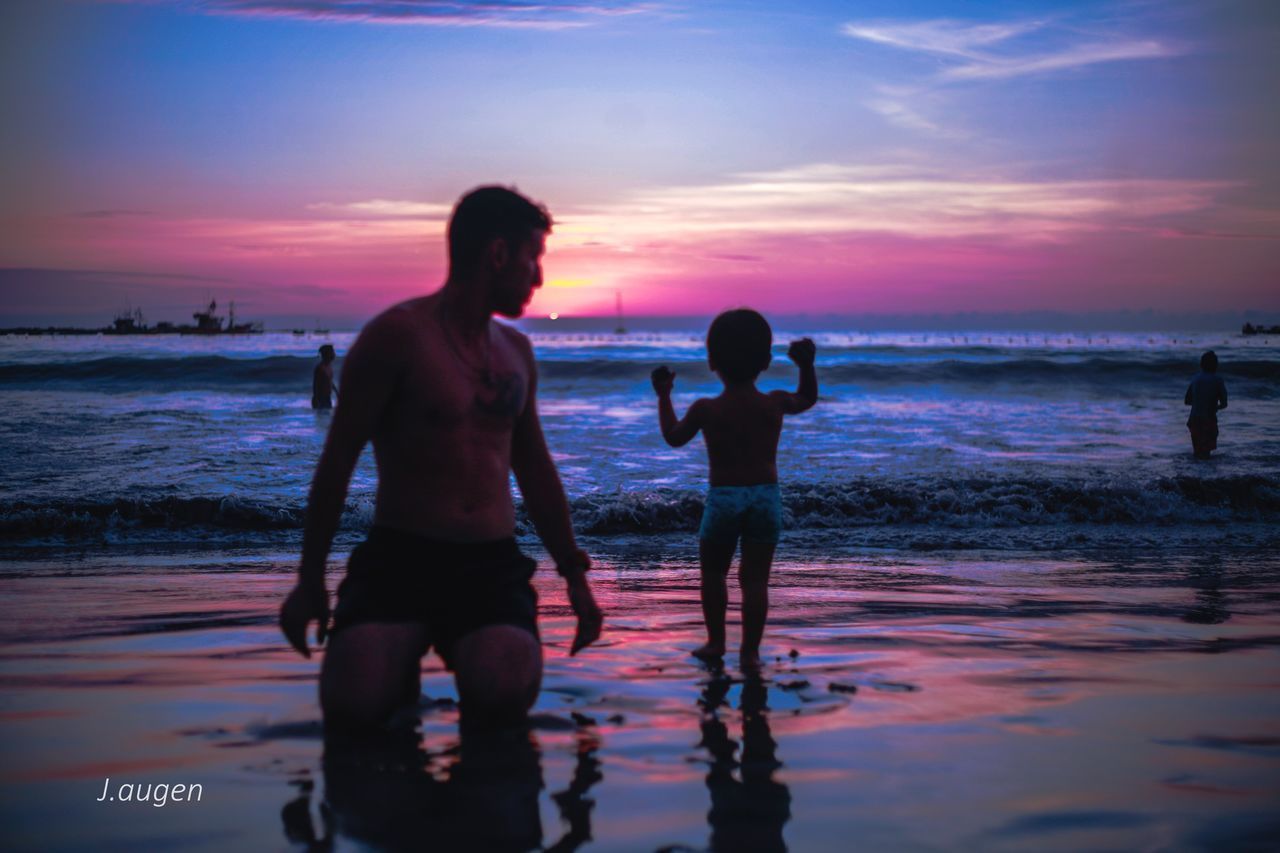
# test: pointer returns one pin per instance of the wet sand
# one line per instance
(933, 701)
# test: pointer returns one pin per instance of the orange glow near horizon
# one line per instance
(815, 239)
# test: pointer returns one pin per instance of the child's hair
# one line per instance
(739, 344)
(327, 350)
(1209, 362)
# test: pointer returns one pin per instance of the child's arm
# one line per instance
(676, 432)
(802, 352)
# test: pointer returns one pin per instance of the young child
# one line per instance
(323, 388)
(1206, 395)
(741, 428)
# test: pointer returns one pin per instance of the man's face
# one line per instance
(521, 274)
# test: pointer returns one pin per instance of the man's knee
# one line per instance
(499, 672)
(369, 672)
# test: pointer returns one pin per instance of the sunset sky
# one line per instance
(301, 156)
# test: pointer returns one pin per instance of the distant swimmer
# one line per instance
(1206, 395)
(323, 388)
(741, 428)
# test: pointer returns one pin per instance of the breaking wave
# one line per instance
(940, 504)
(122, 374)
(290, 372)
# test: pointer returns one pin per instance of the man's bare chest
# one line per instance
(486, 389)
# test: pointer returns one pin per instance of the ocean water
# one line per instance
(927, 440)
(1009, 611)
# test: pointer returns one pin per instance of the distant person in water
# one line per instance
(1206, 395)
(323, 389)
(447, 396)
(741, 428)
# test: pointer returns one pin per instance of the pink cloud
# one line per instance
(817, 238)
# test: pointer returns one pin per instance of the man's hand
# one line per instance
(590, 619)
(663, 380)
(307, 601)
(802, 352)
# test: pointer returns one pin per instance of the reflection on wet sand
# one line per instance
(748, 812)
(1210, 605)
(922, 704)
(386, 789)
(573, 802)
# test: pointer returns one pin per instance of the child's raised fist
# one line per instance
(802, 352)
(663, 378)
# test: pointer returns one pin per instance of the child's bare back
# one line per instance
(741, 428)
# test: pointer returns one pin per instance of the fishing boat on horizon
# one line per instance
(130, 321)
(209, 323)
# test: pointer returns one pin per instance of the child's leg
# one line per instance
(715, 556)
(757, 559)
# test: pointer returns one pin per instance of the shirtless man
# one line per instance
(447, 396)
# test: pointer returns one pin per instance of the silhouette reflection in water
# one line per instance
(747, 812)
(574, 804)
(1210, 605)
(387, 790)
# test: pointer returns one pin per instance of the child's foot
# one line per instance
(709, 651)
(749, 660)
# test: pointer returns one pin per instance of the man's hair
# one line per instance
(1209, 362)
(327, 348)
(739, 344)
(489, 212)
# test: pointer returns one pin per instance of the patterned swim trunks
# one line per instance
(753, 513)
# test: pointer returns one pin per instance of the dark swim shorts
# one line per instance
(452, 588)
(1204, 434)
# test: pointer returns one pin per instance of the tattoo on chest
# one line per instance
(500, 395)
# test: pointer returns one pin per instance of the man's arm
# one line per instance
(677, 432)
(1222, 394)
(548, 509)
(1187, 400)
(370, 376)
(802, 352)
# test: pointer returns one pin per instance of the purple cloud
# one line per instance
(550, 15)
